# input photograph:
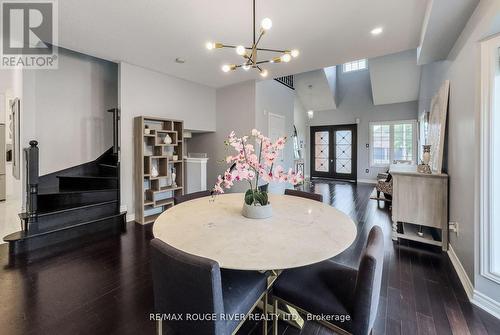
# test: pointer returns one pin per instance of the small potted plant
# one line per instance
(250, 165)
(175, 156)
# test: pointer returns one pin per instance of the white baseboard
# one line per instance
(130, 217)
(462, 275)
(367, 181)
(475, 297)
(486, 303)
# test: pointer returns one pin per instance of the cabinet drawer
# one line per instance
(420, 200)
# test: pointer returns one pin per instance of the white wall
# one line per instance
(276, 98)
(242, 107)
(355, 101)
(321, 95)
(150, 93)
(65, 110)
(395, 78)
(235, 105)
(462, 68)
(10, 88)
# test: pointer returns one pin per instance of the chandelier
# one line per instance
(250, 53)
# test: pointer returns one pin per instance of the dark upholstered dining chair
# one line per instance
(191, 196)
(302, 194)
(185, 284)
(328, 288)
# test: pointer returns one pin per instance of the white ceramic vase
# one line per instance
(257, 212)
(154, 172)
(167, 140)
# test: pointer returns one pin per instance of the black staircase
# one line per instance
(69, 207)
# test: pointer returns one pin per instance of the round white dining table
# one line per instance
(300, 232)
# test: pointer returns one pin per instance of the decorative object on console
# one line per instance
(155, 185)
(437, 126)
(147, 131)
(249, 53)
(248, 164)
(426, 157)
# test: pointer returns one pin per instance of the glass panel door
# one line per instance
(333, 152)
(343, 151)
(322, 151)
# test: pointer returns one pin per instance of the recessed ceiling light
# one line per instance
(377, 31)
(180, 60)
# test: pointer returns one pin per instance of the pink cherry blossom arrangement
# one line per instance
(249, 164)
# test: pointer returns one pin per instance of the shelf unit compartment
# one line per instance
(155, 194)
(160, 138)
(179, 128)
(409, 231)
(146, 166)
(150, 218)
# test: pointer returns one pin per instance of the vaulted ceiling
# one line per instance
(152, 33)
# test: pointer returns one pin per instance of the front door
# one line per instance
(333, 152)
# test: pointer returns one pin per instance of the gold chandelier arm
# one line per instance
(274, 50)
(258, 39)
(235, 46)
(263, 62)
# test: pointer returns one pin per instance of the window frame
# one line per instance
(487, 157)
(391, 140)
(355, 61)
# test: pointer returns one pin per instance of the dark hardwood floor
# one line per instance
(105, 287)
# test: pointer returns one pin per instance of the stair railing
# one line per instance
(32, 161)
(116, 129)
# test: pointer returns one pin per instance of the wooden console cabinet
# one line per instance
(419, 199)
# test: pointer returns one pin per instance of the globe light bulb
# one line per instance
(286, 58)
(295, 53)
(210, 45)
(377, 31)
(246, 67)
(226, 68)
(264, 73)
(266, 23)
(240, 50)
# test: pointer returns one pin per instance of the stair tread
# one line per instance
(57, 191)
(89, 177)
(71, 208)
(108, 165)
(21, 235)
